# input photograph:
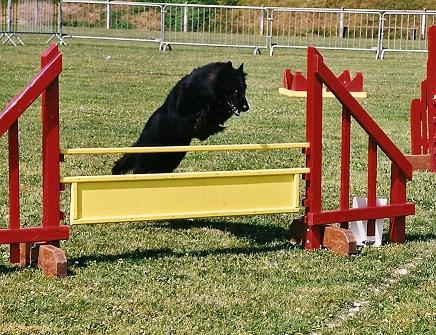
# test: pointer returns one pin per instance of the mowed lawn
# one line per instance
(226, 275)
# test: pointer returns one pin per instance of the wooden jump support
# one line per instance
(101, 199)
(423, 115)
(294, 85)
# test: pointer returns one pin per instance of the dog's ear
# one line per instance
(241, 70)
(225, 70)
(227, 67)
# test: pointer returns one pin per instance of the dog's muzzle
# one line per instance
(235, 110)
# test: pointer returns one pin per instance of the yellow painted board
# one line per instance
(193, 148)
(111, 199)
(325, 94)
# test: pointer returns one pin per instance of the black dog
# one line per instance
(196, 107)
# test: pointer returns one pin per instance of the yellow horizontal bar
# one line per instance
(183, 175)
(193, 148)
(325, 94)
(100, 199)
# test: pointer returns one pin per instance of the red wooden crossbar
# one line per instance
(318, 75)
(46, 84)
(423, 114)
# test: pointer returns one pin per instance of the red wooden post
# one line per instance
(423, 118)
(372, 182)
(50, 146)
(314, 154)
(14, 189)
(431, 92)
(397, 226)
(345, 162)
(415, 127)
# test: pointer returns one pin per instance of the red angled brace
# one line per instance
(316, 218)
(44, 84)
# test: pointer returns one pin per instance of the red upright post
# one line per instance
(314, 154)
(372, 182)
(397, 226)
(14, 189)
(415, 127)
(431, 92)
(50, 146)
(345, 162)
(424, 118)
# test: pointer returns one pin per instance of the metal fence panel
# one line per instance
(235, 26)
(406, 30)
(3, 16)
(112, 20)
(325, 28)
(29, 16)
(212, 25)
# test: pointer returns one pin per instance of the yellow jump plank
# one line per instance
(193, 148)
(325, 94)
(105, 199)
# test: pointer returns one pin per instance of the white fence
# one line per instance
(325, 28)
(117, 20)
(406, 31)
(233, 26)
(28, 17)
(258, 28)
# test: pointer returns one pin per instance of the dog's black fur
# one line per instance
(197, 107)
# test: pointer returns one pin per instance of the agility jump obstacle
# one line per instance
(423, 115)
(228, 192)
(295, 85)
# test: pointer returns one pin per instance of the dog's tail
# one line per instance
(124, 164)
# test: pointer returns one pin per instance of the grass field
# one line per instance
(215, 276)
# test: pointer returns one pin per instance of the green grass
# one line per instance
(214, 276)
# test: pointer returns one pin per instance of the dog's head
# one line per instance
(232, 84)
(227, 98)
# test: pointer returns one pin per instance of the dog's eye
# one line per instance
(236, 90)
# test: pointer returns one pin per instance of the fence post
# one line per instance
(262, 13)
(36, 11)
(380, 36)
(59, 30)
(162, 27)
(423, 23)
(185, 18)
(9, 17)
(108, 14)
(269, 29)
(341, 23)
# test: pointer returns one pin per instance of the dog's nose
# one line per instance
(245, 107)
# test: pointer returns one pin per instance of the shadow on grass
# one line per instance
(8, 269)
(420, 237)
(412, 237)
(262, 234)
(265, 238)
(138, 255)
